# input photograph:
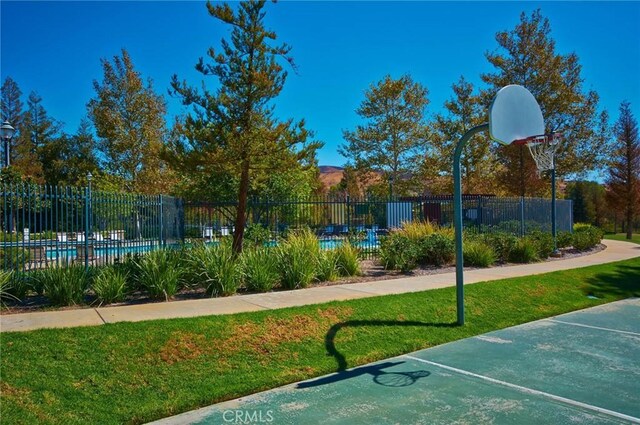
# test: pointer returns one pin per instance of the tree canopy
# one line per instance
(129, 120)
(232, 131)
(393, 132)
(623, 181)
(527, 56)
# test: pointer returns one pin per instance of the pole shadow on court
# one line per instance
(380, 376)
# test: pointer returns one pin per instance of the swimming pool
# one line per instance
(71, 253)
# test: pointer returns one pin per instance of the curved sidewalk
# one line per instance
(616, 251)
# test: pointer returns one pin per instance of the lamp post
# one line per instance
(6, 132)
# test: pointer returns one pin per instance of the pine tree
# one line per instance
(42, 131)
(232, 132)
(528, 57)
(129, 120)
(624, 170)
(394, 130)
(11, 105)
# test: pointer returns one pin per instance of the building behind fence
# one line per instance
(45, 225)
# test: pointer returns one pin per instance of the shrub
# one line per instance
(586, 236)
(543, 241)
(257, 235)
(524, 251)
(217, 269)
(478, 254)
(398, 252)
(159, 273)
(502, 244)
(347, 260)
(437, 249)
(327, 269)
(109, 285)
(260, 269)
(564, 239)
(298, 258)
(62, 285)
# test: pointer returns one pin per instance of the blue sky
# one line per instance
(340, 48)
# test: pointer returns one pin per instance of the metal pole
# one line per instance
(87, 226)
(457, 221)
(553, 211)
(6, 152)
(162, 243)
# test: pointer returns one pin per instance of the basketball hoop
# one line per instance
(543, 149)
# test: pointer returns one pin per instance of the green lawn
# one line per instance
(137, 372)
(635, 238)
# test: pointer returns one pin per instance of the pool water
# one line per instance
(119, 251)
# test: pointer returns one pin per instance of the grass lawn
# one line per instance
(137, 372)
(635, 238)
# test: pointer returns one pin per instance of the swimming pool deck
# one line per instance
(615, 251)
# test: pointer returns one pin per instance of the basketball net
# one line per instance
(543, 149)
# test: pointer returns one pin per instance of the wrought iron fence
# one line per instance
(364, 221)
(45, 225)
(48, 225)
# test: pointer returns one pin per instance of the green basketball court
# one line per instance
(581, 367)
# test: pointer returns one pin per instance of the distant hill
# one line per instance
(330, 175)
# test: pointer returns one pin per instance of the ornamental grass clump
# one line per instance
(216, 269)
(109, 285)
(478, 254)
(6, 286)
(525, 250)
(260, 269)
(327, 267)
(298, 259)
(62, 285)
(347, 259)
(159, 273)
(416, 230)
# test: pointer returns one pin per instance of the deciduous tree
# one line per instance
(129, 120)
(232, 131)
(393, 132)
(478, 163)
(527, 56)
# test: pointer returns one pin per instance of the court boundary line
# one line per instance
(592, 327)
(531, 391)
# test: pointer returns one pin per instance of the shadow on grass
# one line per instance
(380, 377)
(623, 281)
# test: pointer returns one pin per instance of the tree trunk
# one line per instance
(241, 214)
(629, 222)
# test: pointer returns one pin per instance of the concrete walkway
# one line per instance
(616, 251)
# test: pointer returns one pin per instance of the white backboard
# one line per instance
(514, 115)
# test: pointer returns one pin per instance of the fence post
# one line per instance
(348, 214)
(522, 216)
(161, 235)
(87, 224)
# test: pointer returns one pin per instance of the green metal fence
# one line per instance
(46, 225)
